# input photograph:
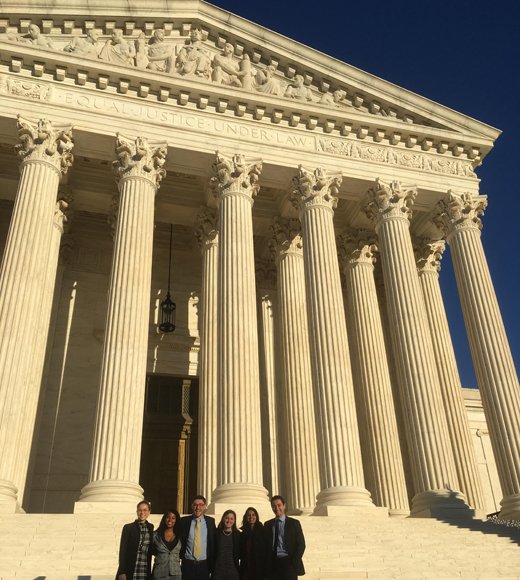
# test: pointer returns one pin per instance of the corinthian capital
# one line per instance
(235, 175)
(44, 141)
(458, 212)
(315, 188)
(206, 227)
(389, 200)
(140, 158)
(285, 238)
(265, 272)
(63, 212)
(356, 246)
(428, 254)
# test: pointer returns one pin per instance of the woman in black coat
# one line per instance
(227, 548)
(252, 547)
(135, 549)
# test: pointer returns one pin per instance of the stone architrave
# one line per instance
(433, 466)
(206, 230)
(62, 214)
(458, 217)
(24, 300)
(301, 463)
(239, 476)
(384, 471)
(428, 254)
(114, 471)
(339, 452)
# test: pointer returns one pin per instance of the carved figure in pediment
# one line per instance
(34, 37)
(246, 73)
(336, 99)
(118, 50)
(85, 47)
(193, 59)
(297, 90)
(265, 82)
(225, 70)
(158, 54)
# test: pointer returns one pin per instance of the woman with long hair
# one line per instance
(167, 547)
(252, 547)
(227, 548)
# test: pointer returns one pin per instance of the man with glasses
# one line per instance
(198, 542)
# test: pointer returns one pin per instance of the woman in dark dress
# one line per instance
(167, 547)
(252, 547)
(227, 548)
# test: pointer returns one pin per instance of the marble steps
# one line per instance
(84, 547)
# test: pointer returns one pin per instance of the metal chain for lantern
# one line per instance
(168, 307)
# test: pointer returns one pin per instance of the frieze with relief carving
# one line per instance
(25, 88)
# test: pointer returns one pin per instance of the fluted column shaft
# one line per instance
(339, 452)
(301, 459)
(434, 473)
(45, 153)
(458, 217)
(116, 456)
(207, 233)
(239, 474)
(428, 254)
(384, 471)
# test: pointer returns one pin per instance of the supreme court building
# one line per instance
(309, 204)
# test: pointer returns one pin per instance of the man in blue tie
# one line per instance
(286, 542)
(198, 542)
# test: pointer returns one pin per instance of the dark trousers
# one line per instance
(195, 571)
(283, 569)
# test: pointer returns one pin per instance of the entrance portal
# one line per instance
(169, 449)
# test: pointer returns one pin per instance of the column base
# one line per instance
(510, 507)
(398, 513)
(238, 497)
(109, 496)
(441, 504)
(300, 512)
(9, 498)
(344, 500)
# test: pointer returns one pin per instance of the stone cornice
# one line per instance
(217, 22)
(355, 121)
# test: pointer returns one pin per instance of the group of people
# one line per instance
(194, 548)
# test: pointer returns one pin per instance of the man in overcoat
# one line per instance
(285, 544)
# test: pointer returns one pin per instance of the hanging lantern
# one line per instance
(168, 307)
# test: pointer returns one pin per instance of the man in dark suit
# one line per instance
(285, 542)
(135, 549)
(198, 542)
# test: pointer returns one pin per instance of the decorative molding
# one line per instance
(315, 188)
(389, 200)
(25, 88)
(356, 246)
(428, 254)
(235, 175)
(140, 158)
(459, 212)
(41, 141)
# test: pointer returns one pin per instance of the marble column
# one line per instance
(434, 473)
(45, 157)
(206, 230)
(114, 471)
(269, 362)
(298, 417)
(339, 452)
(458, 217)
(384, 471)
(428, 254)
(62, 213)
(239, 475)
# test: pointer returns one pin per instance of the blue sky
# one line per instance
(464, 55)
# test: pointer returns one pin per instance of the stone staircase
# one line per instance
(84, 547)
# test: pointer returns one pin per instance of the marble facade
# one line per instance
(309, 202)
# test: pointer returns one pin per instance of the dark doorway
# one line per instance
(169, 451)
